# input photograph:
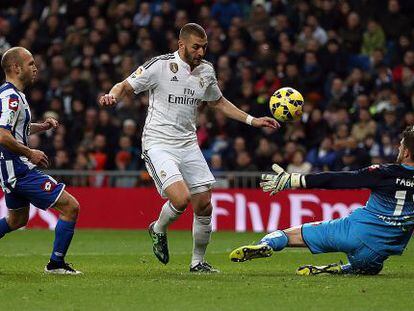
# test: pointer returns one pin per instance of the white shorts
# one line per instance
(167, 166)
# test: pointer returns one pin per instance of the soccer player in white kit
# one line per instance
(178, 83)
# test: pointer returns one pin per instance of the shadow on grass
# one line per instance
(180, 273)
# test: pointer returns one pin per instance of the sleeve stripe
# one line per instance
(149, 63)
(154, 60)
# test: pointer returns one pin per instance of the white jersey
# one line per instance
(175, 92)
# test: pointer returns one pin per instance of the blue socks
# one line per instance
(4, 227)
(63, 236)
(277, 240)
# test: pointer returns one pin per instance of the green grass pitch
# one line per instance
(120, 273)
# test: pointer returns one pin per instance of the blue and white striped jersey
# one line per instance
(14, 116)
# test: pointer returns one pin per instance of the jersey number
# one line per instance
(400, 196)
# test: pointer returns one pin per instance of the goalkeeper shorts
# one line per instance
(337, 236)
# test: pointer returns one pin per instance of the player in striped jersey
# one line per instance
(178, 83)
(21, 181)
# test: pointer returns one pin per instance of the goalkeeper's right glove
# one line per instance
(281, 180)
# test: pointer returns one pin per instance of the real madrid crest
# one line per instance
(163, 174)
(136, 73)
(174, 67)
(201, 82)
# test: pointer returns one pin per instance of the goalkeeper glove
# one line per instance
(281, 180)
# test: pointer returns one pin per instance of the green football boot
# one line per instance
(159, 244)
(249, 252)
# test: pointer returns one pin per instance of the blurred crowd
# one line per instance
(353, 60)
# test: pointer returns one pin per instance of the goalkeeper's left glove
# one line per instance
(281, 180)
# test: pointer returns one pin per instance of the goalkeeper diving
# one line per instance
(368, 236)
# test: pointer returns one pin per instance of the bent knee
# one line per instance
(181, 202)
(75, 210)
(205, 209)
(72, 209)
(17, 223)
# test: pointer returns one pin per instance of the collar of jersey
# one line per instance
(12, 85)
(16, 89)
(181, 62)
(408, 167)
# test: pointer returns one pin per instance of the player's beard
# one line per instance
(193, 62)
(28, 78)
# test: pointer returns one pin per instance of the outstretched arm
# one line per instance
(342, 180)
(231, 111)
(142, 79)
(48, 124)
(364, 178)
(117, 92)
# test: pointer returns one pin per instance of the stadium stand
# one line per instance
(352, 60)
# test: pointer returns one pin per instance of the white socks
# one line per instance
(201, 237)
(167, 216)
(201, 230)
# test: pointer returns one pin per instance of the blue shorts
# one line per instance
(339, 235)
(34, 187)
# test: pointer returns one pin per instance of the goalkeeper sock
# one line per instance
(168, 215)
(201, 237)
(4, 227)
(277, 240)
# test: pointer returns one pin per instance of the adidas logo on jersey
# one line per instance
(175, 79)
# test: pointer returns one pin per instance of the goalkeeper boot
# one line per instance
(249, 252)
(203, 267)
(159, 244)
(60, 267)
(314, 270)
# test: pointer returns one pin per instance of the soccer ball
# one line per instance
(286, 104)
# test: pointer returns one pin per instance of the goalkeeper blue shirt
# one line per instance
(386, 223)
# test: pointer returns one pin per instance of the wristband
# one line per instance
(296, 181)
(249, 119)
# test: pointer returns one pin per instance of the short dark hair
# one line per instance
(11, 56)
(408, 139)
(192, 29)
